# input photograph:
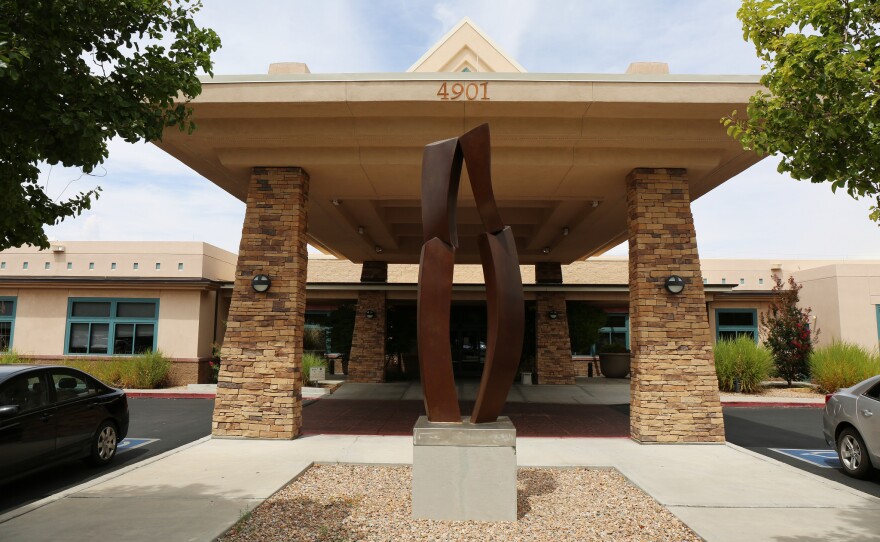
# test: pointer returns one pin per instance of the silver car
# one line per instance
(851, 423)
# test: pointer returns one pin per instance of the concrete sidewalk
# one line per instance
(723, 492)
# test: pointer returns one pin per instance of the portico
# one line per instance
(581, 162)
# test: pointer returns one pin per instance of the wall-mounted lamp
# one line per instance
(261, 283)
(565, 232)
(546, 250)
(336, 202)
(361, 230)
(553, 315)
(370, 314)
(595, 203)
(674, 284)
(379, 249)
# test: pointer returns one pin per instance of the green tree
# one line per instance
(822, 111)
(787, 331)
(73, 75)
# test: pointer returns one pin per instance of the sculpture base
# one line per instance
(464, 471)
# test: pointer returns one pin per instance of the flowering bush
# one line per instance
(787, 330)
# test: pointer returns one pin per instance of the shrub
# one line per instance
(742, 359)
(842, 364)
(787, 328)
(145, 371)
(310, 360)
(9, 357)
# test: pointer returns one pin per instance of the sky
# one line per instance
(148, 195)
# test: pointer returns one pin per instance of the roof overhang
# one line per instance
(562, 145)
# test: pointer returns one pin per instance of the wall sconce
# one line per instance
(553, 315)
(546, 250)
(378, 249)
(361, 230)
(370, 314)
(261, 283)
(674, 284)
(565, 232)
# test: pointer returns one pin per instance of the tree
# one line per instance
(822, 111)
(787, 330)
(73, 75)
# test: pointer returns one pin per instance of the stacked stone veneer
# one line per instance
(259, 389)
(367, 359)
(674, 386)
(553, 344)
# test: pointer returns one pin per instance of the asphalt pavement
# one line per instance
(163, 424)
(768, 430)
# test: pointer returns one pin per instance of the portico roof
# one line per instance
(562, 145)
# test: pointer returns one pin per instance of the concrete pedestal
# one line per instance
(464, 471)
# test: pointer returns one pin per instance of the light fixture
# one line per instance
(261, 283)
(553, 315)
(565, 231)
(546, 250)
(379, 249)
(370, 314)
(335, 202)
(595, 203)
(674, 284)
(361, 230)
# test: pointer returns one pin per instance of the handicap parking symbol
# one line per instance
(132, 443)
(827, 459)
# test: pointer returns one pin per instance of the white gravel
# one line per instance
(371, 503)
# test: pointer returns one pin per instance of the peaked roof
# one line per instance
(466, 48)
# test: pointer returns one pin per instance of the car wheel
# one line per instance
(853, 454)
(103, 444)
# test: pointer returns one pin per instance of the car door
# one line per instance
(868, 412)
(27, 437)
(76, 410)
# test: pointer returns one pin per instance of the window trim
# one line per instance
(112, 320)
(719, 328)
(10, 319)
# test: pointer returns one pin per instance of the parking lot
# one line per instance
(157, 425)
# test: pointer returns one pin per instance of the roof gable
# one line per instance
(466, 48)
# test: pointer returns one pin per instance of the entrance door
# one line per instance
(467, 332)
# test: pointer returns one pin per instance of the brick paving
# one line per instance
(395, 417)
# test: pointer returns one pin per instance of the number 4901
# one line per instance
(458, 91)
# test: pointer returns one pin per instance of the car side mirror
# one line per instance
(8, 411)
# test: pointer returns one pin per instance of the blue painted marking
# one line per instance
(132, 443)
(826, 459)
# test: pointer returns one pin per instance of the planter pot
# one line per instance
(614, 365)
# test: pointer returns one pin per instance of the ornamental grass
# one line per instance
(741, 359)
(842, 364)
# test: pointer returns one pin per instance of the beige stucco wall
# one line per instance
(844, 297)
(41, 318)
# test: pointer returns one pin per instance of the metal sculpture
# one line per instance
(441, 174)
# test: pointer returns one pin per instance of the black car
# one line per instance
(50, 414)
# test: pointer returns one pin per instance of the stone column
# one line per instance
(552, 342)
(259, 389)
(367, 360)
(674, 387)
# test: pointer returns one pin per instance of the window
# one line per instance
(135, 266)
(2, 265)
(47, 266)
(91, 265)
(70, 265)
(731, 323)
(742, 281)
(158, 266)
(113, 266)
(111, 326)
(25, 391)
(70, 385)
(705, 281)
(180, 266)
(24, 265)
(615, 331)
(723, 281)
(760, 281)
(874, 392)
(7, 322)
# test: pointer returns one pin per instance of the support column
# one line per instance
(367, 359)
(552, 342)
(259, 389)
(674, 387)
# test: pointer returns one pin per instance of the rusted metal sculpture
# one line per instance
(441, 174)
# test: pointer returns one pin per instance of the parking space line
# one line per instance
(132, 443)
(827, 459)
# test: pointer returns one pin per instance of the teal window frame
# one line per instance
(878, 324)
(736, 329)
(111, 320)
(610, 330)
(10, 319)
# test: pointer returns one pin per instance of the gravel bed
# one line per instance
(372, 503)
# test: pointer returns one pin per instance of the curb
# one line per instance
(170, 395)
(770, 404)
